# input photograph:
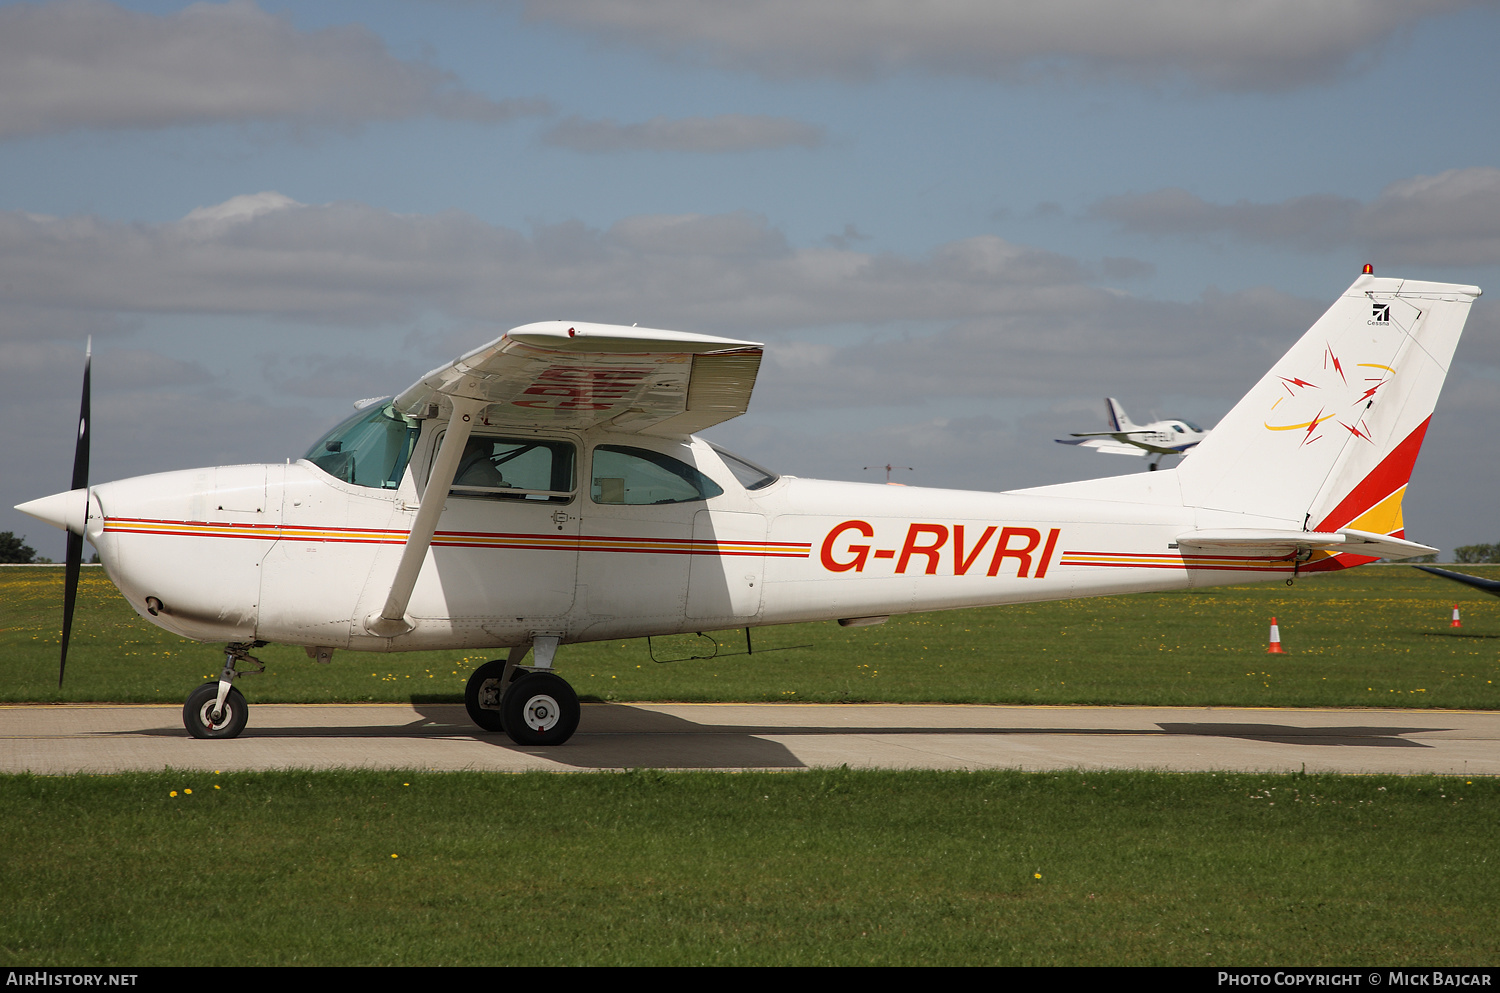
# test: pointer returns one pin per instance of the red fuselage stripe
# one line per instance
(460, 539)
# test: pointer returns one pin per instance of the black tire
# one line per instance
(540, 709)
(197, 713)
(482, 696)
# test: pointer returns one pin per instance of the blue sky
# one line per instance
(956, 224)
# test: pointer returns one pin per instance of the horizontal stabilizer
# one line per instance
(1273, 542)
(1490, 586)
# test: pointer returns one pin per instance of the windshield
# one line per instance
(371, 448)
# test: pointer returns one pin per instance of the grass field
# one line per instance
(816, 868)
(1376, 636)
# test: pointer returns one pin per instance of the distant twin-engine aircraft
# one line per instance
(1124, 437)
(549, 488)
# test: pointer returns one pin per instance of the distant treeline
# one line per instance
(1477, 553)
(13, 549)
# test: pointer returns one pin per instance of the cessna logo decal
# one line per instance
(1382, 314)
(925, 545)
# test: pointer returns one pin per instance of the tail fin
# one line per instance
(1327, 439)
(1115, 415)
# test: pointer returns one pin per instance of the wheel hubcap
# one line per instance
(542, 713)
(206, 715)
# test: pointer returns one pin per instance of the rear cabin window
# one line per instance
(750, 475)
(516, 468)
(638, 476)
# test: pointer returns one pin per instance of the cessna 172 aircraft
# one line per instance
(1127, 438)
(549, 488)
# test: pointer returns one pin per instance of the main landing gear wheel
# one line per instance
(198, 713)
(540, 709)
(482, 696)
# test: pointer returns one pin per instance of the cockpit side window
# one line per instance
(516, 468)
(639, 476)
(371, 448)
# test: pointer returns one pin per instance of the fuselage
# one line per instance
(290, 553)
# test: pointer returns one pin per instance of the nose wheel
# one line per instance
(205, 719)
(218, 710)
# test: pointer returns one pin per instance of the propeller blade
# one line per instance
(74, 558)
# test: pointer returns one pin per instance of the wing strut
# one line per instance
(391, 621)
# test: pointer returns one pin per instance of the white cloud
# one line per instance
(90, 64)
(975, 317)
(1252, 44)
(354, 264)
(1449, 219)
(1071, 340)
(978, 317)
(724, 133)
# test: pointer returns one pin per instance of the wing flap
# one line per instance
(577, 376)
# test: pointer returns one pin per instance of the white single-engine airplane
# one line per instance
(548, 488)
(1125, 437)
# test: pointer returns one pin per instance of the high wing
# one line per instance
(1108, 443)
(1110, 434)
(556, 374)
(561, 375)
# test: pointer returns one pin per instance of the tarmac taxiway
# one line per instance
(104, 738)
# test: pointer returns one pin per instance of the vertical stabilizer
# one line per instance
(1327, 439)
(1116, 416)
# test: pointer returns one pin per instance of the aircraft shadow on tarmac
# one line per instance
(615, 736)
(1378, 737)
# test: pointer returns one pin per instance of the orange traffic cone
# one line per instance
(1275, 646)
(1456, 622)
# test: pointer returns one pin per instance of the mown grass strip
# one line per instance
(823, 867)
(1376, 636)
